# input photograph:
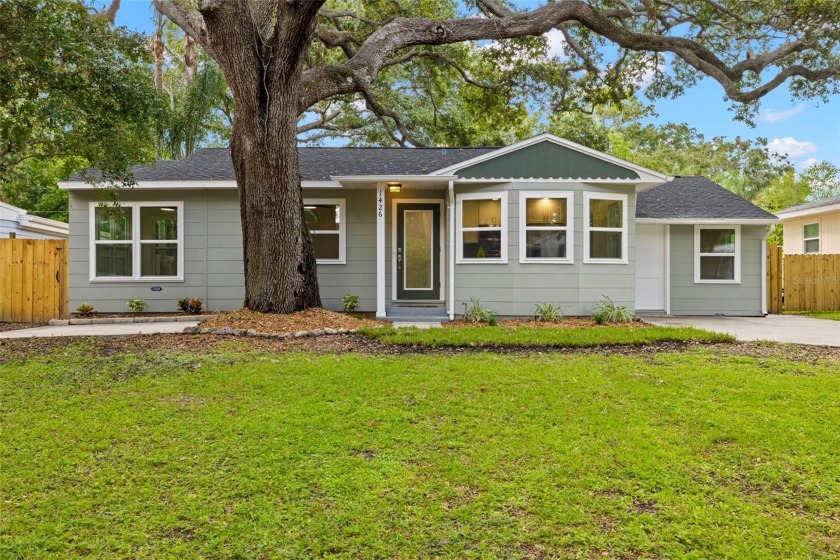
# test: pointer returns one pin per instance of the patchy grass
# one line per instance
(830, 315)
(701, 454)
(541, 336)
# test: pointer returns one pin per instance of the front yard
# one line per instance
(193, 451)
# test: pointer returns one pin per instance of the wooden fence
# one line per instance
(33, 280)
(802, 282)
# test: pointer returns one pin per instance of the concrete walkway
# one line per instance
(794, 329)
(119, 329)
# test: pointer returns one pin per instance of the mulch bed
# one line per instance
(308, 320)
(565, 323)
(26, 348)
(18, 326)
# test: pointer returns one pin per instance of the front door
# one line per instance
(650, 267)
(418, 251)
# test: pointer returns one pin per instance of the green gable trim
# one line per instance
(546, 160)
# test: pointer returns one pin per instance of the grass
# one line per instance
(830, 315)
(700, 454)
(539, 336)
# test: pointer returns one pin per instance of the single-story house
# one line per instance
(812, 228)
(422, 230)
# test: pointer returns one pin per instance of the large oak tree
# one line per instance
(271, 54)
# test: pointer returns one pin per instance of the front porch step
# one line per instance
(414, 314)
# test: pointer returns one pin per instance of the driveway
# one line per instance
(794, 329)
(119, 329)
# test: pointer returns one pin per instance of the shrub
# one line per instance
(350, 302)
(606, 311)
(85, 310)
(136, 305)
(548, 312)
(476, 312)
(188, 305)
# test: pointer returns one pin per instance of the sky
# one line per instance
(808, 131)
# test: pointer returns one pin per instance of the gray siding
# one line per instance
(514, 288)
(688, 298)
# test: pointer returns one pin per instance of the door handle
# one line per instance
(399, 262)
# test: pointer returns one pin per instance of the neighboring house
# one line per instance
(16, 222)
(812, 228)
(421, 230)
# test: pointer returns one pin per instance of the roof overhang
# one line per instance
(709, 221)
(408, 182)
(186, 185)
(789, 214)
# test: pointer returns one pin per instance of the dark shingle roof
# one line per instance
(316, 163)
(696, 198)
(812, 205)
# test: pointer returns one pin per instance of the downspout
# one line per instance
(668, 269)
(764, 272)
(451, 250)
(206, 251)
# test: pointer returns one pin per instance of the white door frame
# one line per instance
(441, 256)
(664, 266)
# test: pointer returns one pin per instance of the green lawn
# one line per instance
(830, 315)
(478, 335)
(700, 454)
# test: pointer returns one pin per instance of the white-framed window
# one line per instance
(546, 227)
(482, 227)
(605, 228)
(717, 254)
(326, 220)
(137, 241)
(811, 237)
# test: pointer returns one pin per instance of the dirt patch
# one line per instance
(18, 326)
(308, 320)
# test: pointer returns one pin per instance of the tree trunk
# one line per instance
(280, 269)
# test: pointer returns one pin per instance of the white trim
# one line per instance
(625, 230)
(442, 263)
(185, 185)
(764, 272)
(380, 252)
(451, 253)
(706, 221)
(135, 242)
(698, 255)
(805, 240)
(569, 228)
(342, 227)
(789, 214)
(502, 228)
(667, 269)
(392, 178)
(645, 174)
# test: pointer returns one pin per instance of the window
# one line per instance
(811, 234)
(137, 240)
(717, 251)
(325, 220)
(482, 227)
(605, 228)
(546, 227)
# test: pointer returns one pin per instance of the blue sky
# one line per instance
(807, 130)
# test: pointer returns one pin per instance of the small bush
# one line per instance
(85, 310)
(136, 305)
(350, 302)
(476, 312)
(192, 306)
(548, 312)
(606, 311)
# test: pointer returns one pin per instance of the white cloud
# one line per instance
(556, 44)
(790, 146)
(771, 116)
(809, 162)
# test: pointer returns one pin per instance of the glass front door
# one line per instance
(418, 251)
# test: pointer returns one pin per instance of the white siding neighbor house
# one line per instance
(17, 222)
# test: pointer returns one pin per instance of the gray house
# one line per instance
(543, 220)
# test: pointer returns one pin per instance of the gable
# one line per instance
(546, 160)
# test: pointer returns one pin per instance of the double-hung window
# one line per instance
(811, 236)
(482, 227)
(717, 254)
(546, 227)
(326, 222)
(605, 228)
(137, 241)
